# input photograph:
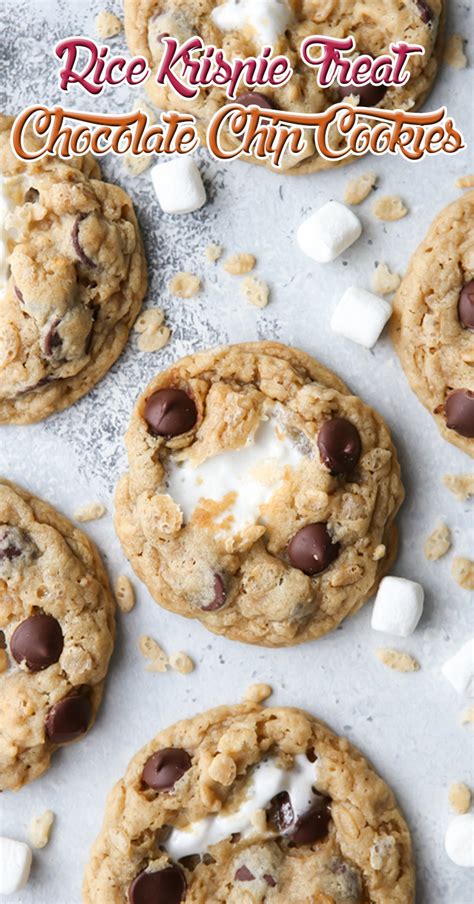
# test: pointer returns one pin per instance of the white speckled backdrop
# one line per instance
(408, 725)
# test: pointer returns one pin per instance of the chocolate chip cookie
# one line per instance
(241, 27)
(72, 280)
(261, 495)
(433, 322)
(246, 805)
(57, 631)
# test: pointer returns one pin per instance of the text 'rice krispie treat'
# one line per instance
(261, 494)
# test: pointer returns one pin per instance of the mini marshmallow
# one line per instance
(398, 606)
(459, 670)
(328, 232)
(459, 840)
(15, 865)
(178, 185)
(361, 316)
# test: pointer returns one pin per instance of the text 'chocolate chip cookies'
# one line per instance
(265, 805)
(57, 629)
(261, 495)
(72, 280)
(433, 323)
(242, 29)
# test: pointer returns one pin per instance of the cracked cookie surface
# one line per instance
(261, 495)
(374, 25)
(57, 628)
(247, 805)
(72, 280)
(433, 322)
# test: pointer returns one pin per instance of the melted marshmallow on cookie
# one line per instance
(268, 18)
(246, 478)
(266, 781)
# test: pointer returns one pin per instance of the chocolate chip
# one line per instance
(312, 549)
(460, 412)
(369, 95)
(466, 306)
(244, 875)
(52, 340)
(314, 824)
(270, 880)
(163, 769)
(280, 812)
(77, 244)
(170, 412)
(19, 295)
(425, 11)
(38, 641)
(255, 97)
(68, 719)
(167, 886)
(32, 195)
(339, 446)
(9, 543)
(219, 595)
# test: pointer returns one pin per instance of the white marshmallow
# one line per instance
(361, 316)
(459, 840)
(398, 606)
(328, 232)
(459, 670)
(15, 865)
(268, 18)
(178, 185)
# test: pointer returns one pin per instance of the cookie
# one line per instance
(246, 805)
(57, 631)
(242, 30)
(433, 322)
(261, 494)
(72, 280)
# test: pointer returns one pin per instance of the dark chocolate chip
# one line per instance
(167, 886)
(425, 11)
(339, 446)
(52, 340)
(9, 543)
(312, 549)
(270, 880)
(244, 875)
(460, 412)
(314, 824)
(466, 306)
(31, 195)
(38, 641)
(280, 812)
(369, 95)
(77, 244)
(68, 719)
(255, 97)
(170, 412)
(163, 769)
(219, 595)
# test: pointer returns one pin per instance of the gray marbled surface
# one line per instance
(408, 725)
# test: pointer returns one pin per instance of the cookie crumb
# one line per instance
(467, 716)
(459, 796)
(384, 282)
(107, 25)
(90, 512)
(255, 291)
(151, 650)
(438, 543)
(257, 693)
(465, 181)
(238, 264)
(181, 663)
(124, 593)
(154, 334)
(379, 552)
(461, 485)
(462, 570)
(454, 54)
(149, 320)
(223, 769)
(39, 829)
(154, 340)
(358, 189)
(184, 285)
(213, 252)
(389, 208)
(395, 659)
